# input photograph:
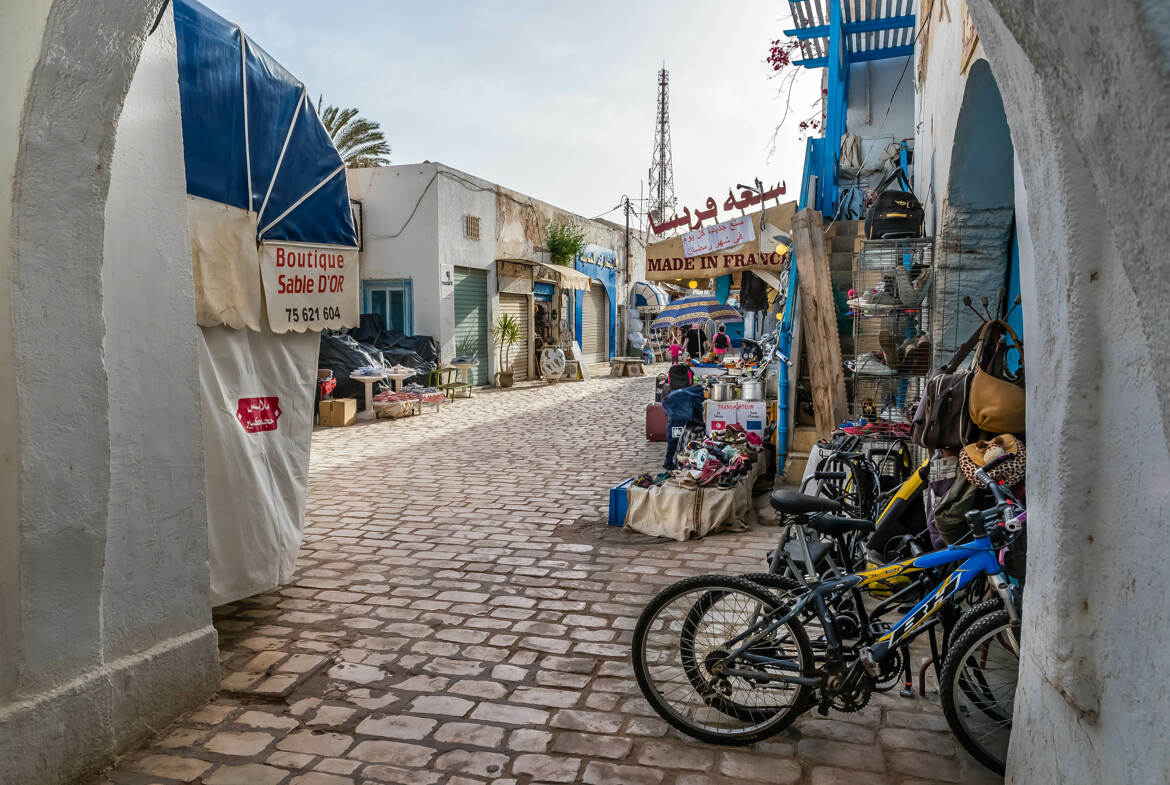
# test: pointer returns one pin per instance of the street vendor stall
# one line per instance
(275, 261)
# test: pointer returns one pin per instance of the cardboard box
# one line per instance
(337, 412)
(751, 415)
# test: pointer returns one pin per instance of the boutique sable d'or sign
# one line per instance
(309, 287)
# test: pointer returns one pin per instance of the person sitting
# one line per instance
(720, 343)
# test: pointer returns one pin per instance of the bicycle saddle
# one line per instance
(797, 503)
(836, 524)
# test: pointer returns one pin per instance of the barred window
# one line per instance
(471, 227)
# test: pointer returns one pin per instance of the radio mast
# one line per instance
(662, 200)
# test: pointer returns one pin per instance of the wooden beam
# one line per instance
(819, 317)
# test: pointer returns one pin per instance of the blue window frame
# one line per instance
(393, 300)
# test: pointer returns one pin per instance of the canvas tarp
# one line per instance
(257, 429)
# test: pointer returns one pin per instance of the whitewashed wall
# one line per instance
(106, 624)
(1088, 103)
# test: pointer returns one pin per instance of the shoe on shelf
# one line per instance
(871, 364)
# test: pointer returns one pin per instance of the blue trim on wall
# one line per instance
(600, 264)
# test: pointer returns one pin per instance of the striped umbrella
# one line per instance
(701, 308)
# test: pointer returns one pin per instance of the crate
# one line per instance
(619, 503)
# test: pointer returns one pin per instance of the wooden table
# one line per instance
(626, 366)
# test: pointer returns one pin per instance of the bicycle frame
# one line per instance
(977, 557)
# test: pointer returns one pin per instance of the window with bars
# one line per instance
(471, 227)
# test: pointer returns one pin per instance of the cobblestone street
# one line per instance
(462, 614)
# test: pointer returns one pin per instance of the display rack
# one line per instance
(892, 341)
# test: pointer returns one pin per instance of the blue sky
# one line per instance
(553, 99)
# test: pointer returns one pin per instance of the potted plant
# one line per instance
(505, 334)
(565, 241)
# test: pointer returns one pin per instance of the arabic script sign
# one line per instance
(258, 414)
(747, 199)
(728, 234)
(309, 287)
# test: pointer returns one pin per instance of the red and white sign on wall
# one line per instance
(258, 414)
(310, 287)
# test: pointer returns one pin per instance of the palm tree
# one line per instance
(359, 141)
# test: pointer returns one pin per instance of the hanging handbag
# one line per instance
(942, 419)
(997, 401)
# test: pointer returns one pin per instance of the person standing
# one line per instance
(694, 342)
(675, 347)
(721, 343)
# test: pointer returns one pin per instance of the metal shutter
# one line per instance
(516, 305)
(471, 320)
(595, 325)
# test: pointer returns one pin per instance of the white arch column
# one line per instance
(1086, 94)
(105, 628)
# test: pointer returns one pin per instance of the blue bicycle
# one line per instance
(728, 661)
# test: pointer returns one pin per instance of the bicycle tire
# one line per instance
(952, 683)
(762, 722)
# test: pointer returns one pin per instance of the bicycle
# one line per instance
(734, 664)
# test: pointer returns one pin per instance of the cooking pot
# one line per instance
(722, 391)
(751, 390)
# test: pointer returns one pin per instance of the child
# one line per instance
(675, 348)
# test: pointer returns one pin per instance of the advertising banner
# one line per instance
(728, 234)
(310, 287)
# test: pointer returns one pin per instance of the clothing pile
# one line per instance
(721, 459)
(368, 370)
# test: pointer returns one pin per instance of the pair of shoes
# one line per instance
(915, 354)
(871, 364)
(643, 481)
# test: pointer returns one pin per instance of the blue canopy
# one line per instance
(252, 138)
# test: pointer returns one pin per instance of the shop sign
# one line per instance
(670, 268)
(668, 260)
(258, 414)
(309, 287)
(728, 234)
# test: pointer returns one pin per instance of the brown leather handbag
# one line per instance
(996, 401)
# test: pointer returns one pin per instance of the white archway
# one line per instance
(103, 575)
(1087, 99)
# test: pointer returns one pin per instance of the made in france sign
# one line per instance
(310, 287)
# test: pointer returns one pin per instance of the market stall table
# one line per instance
(398, 377)
(465, 370)
(368, 381)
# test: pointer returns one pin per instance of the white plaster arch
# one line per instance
(1086, 89)
(103, 577)
(978, 212)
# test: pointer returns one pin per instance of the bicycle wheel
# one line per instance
(978, 687)
(683, 635)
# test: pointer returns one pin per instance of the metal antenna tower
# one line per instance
(662, 199)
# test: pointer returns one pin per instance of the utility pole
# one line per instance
(625, 309)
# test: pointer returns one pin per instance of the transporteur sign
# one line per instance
(310, 287)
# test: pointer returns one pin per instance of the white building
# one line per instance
(444, 252)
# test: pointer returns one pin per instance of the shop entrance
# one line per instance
(595, 325)
(471, 320)
(516, 306)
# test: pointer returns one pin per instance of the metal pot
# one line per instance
(751, 390)
(722, 391)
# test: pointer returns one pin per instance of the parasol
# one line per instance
(702, 308)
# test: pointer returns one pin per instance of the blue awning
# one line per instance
(252, 138)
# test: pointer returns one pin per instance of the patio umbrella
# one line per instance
(701, 308)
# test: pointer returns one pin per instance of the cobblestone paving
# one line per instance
(461, 614)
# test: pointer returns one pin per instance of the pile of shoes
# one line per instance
(876, 427)
(721, 459)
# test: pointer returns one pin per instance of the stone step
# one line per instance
(794, 467)
(804, 438)
(841, 260)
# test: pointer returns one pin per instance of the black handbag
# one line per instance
(894, 213)
(942, 418)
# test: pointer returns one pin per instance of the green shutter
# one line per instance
(471, 319)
